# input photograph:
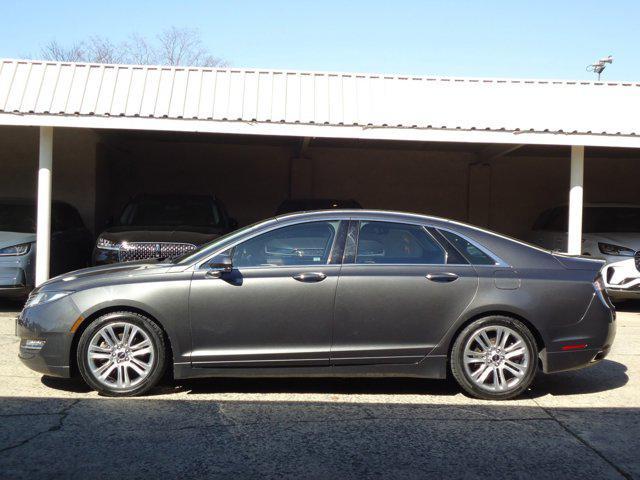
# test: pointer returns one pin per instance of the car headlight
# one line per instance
(105, 244)
(609, 249)
(45, 297)
(21, 249)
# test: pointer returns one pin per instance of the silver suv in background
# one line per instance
(610, 231)
(70, 244)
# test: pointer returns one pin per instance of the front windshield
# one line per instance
(208, 248)
(199, 211)
(18, 218)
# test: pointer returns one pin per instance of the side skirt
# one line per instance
(430, 367)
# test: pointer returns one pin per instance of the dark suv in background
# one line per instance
(162, 226)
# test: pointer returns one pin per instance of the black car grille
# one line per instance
(637, 258)
(144, 250)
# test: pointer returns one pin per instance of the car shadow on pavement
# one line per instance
(630, 306)
(604, 376)
(607, 375)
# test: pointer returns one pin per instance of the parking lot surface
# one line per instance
(582, 424)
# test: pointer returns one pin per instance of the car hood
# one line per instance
(9, 239)
(180, 234)
(623, 239)
(93, 275)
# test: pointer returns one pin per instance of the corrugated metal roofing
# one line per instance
(288, 97)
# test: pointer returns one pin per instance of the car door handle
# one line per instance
(310, 277)
(442, 277)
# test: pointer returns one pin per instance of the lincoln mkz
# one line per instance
(343, 293)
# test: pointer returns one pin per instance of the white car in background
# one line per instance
(610, 231)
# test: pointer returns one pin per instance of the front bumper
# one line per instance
(596, 330)
(622, 279)
(51, 323)
(16, 274)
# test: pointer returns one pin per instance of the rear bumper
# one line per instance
(596, 331)
(565, 361)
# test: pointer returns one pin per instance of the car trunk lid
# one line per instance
(579, 262)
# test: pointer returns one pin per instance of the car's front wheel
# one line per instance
(494, 358)
(121, 354)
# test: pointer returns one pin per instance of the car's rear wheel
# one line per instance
(121, 354)
(494, 358)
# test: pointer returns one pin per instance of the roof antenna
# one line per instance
(600, 65)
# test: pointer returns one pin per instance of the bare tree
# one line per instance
(174, 46)
(139, 51)
(102, 50)
(54, 51)
(183, 46)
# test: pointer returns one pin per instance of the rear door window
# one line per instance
(397, 243)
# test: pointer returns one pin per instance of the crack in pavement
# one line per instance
(63, 415)
(566, 428)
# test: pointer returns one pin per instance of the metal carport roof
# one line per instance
(319, 104)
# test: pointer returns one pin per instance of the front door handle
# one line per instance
(446, 277)
(310, 277)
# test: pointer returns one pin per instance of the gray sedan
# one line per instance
(331, 293)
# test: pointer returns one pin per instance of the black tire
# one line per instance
(158, 360)
(457, 358)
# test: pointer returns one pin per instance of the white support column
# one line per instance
(574, 244)
(43, 232)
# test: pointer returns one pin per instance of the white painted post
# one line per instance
(43, 231)
(574, 244)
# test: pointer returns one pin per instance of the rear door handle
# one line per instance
(310, 277)
(442, 277)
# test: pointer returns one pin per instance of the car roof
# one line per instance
(343, 213)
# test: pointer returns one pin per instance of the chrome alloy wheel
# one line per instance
(496, 358)
(120, 355)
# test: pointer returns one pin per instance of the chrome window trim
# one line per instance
(411, 265)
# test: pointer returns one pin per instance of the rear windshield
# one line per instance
(172, 211)
(18, 218)
(595, 220)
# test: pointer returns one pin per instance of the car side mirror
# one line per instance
(219, 265)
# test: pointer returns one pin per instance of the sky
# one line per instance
(481, 38)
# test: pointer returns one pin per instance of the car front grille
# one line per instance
(143, 250)
(637, 259)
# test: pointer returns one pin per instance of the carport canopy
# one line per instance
(506, 113)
